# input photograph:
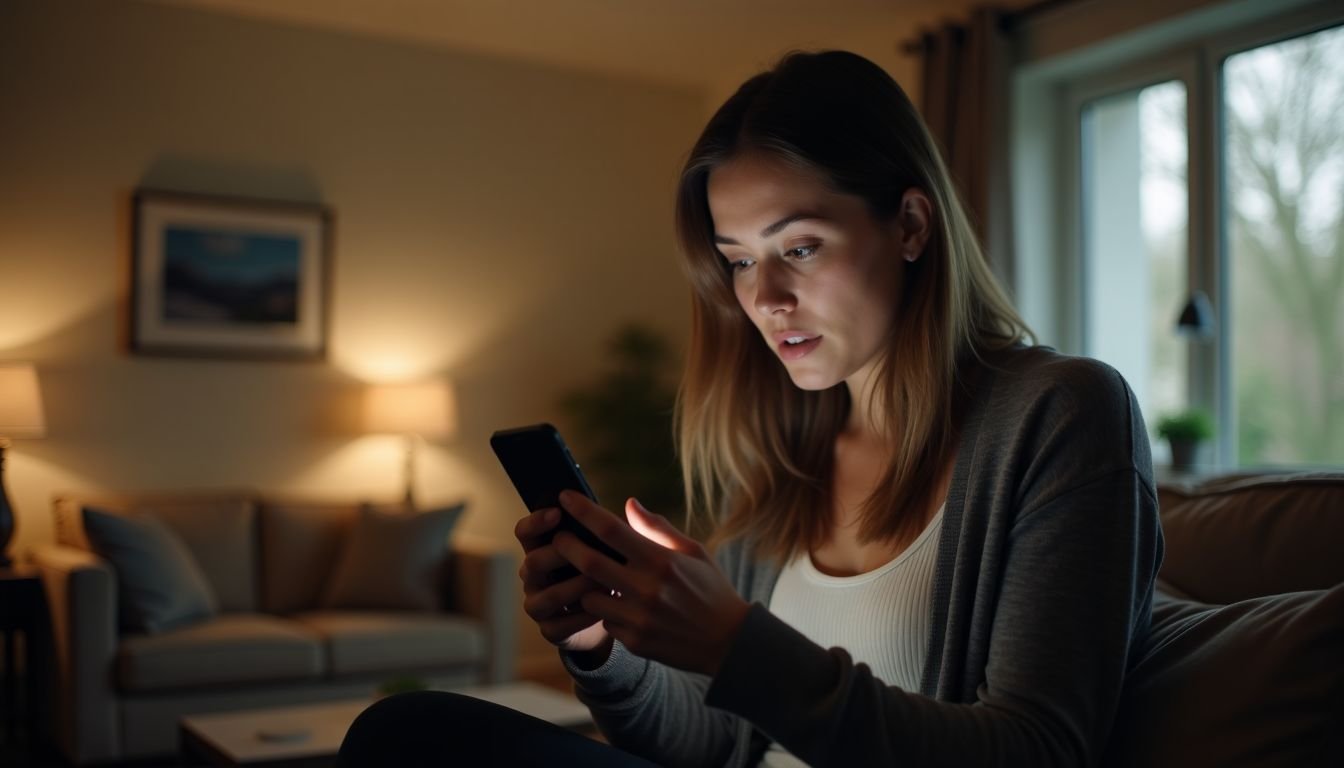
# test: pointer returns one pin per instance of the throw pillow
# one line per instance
(392, 560)
(300, 544)
(220, 532)
(159, 585)
(1259, 682)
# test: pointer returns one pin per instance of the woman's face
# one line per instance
(817, 274)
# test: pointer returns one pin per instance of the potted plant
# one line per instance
(623, 424)
(1184, 431)
(400, 685)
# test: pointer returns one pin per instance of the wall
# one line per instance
(494, 223)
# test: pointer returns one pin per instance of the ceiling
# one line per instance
(699, 44)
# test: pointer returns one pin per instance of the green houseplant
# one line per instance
(401, 685)
(622, 425)
(1184, 431)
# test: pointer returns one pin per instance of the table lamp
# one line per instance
(416, 411)
(20, 416)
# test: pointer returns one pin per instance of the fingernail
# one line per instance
(552, 515)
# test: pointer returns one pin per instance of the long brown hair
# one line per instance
(757, 452)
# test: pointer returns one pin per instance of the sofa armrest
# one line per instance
(81, 591)
(484, 586)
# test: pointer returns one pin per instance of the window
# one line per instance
(1283, 108)
(1202, 156)
(1135, 231)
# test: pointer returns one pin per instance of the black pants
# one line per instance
(434, 728)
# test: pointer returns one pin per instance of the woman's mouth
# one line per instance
(796, 346)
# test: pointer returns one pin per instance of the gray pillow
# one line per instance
(392, 560)
(159, 584)
(1258, 682)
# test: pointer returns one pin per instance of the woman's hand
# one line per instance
(556, 607)
(671, 603)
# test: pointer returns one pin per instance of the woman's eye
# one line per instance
(802, 252)
(737, 265)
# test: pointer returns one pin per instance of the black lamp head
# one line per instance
(1196, 319)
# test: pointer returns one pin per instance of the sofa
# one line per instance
(271, 631)
(1244, 663)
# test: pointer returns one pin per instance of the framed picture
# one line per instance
(229, 277)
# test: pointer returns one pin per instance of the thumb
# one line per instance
(656, 528)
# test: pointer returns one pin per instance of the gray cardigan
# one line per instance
(1042, 593)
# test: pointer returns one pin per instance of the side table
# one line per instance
(23, 611)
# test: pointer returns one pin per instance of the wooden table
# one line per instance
(310, 735)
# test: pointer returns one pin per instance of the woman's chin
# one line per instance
(812, 380)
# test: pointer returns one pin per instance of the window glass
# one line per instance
(1135, 240)
(1283, 110)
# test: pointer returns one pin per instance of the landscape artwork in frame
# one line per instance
(229, 277)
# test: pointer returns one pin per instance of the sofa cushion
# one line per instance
(1234, 538)
(219, 529)
(222, 535)
(392, 560)
(1258, 682)
(360, 642)
(300, 542)
(159, 585)
(229, 649)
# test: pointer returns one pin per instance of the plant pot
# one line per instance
(1183, 453)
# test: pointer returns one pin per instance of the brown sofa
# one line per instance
(120, 695)
(1245, 661)
(1240, 536)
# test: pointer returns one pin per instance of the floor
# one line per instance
(23, 756)
(20, 751)
(26, 756)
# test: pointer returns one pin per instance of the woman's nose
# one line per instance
(774, 292)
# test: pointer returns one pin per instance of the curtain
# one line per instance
(966, 87)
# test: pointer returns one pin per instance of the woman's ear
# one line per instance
(915, 222)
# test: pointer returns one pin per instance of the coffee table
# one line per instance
(311, 734)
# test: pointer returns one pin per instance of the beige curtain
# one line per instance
(966, 87)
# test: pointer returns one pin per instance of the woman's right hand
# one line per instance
(555, 607)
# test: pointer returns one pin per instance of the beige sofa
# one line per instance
(119, 696)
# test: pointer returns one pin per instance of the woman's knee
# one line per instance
(407, 729)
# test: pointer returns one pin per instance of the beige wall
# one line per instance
(494, 223)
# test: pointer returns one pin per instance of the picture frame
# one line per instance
(230, 277)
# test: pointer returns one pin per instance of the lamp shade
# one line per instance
(426, 408)
(20, 402)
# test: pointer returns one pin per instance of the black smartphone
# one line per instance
(541, 466)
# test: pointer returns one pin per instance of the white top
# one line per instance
(881, 618)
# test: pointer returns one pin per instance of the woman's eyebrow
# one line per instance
(773, 229)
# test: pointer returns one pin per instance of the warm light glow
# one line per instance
(426, 408)
(20, 402)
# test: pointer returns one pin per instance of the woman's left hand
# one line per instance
(672, 603)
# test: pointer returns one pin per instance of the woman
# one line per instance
(933, 544)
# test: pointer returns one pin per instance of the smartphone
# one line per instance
(541, 466)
